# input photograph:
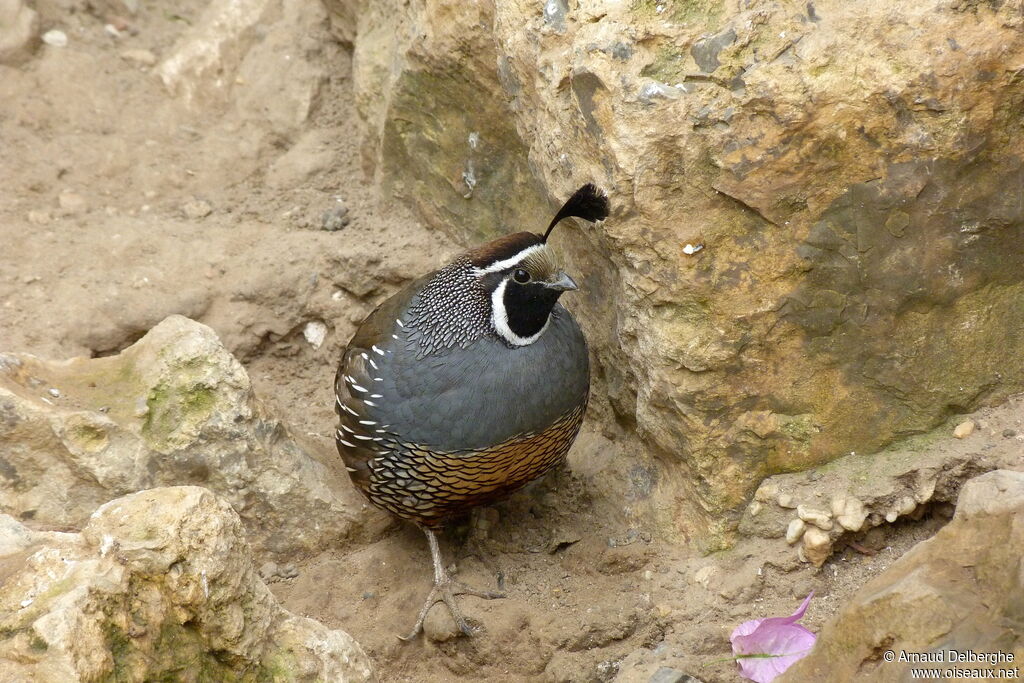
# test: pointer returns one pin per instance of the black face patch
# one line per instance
(528, 306)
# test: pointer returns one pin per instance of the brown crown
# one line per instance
(502, 248)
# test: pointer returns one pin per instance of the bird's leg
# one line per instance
(445, 590)
(479, 531)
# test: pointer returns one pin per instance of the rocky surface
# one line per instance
(821, 509)
(234, 194)
(173, 408)
(159, 584)
(19, 31)
(961, 590)
(858, 271)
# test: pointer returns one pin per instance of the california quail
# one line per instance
(466, 385)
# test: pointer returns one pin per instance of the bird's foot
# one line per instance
(445, 592)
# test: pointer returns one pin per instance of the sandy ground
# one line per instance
(118, 207)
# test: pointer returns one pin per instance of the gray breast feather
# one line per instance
(480, 395)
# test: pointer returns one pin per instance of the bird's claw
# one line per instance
(446, 592)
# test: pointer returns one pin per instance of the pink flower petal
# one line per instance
(767, 647)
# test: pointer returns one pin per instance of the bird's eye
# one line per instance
(521, 276)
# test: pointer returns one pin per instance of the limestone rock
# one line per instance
(819, 518)
(817, 546)
(19, 31)
(245, 52)
(962, 589)
(158, 583)
(819, 171)
(174, 408)
(964, 429)
(849, 512)
(865, 491)
(795, 530)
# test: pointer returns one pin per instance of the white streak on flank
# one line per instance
(381, 431)
(370, 403)
(358, 388)
(376, 396)
(377, 438)
(367, 422)
(394, 336)
(499, 318)
(349, 410)
(362, 438)
(376, 350)
(378, 379)
(351, 469)
(372, 363)
(350, 445)
(348, 429)
(499, 266)
(400, 323)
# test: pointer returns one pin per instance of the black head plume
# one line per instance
(589, 203)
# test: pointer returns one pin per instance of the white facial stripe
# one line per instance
(509, 262)
(499, 318)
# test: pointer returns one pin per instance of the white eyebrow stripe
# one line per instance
(509, 262)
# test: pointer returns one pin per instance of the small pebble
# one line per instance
(38, 217)
(112, 30)
(819, 518)
(70, 202)
(786, 501)
(56, 38)
(315, 332)
(197, 208)
(964, 429)
(795, 531)
(817, 546)
(268, 570)
(703, 575)
(1009, 433)
(143, 57)
(55, 392)
(439, 626)
(288, 571)
(335, 218)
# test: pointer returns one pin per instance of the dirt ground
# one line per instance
(120, 206)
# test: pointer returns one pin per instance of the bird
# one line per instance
(466, 385)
